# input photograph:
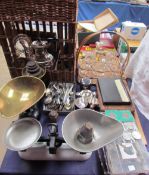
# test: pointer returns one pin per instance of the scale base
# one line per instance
(40, 151)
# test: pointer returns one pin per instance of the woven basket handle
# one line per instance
(86, 39)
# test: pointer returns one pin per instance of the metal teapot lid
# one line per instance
(38, 44)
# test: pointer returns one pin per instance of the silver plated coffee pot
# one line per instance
(42, 56)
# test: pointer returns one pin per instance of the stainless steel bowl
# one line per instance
(22, 134)
(105, 129)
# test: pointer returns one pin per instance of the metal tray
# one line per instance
(22, 134)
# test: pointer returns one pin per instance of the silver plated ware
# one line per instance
(86, 82)
(61, 97)
(42, 56)
(81, 103)
(33, 69)
(87, 95)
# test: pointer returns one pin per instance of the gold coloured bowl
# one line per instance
(19, 94)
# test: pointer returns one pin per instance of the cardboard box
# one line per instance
(105, 19)
(133, 30)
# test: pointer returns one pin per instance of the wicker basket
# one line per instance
(44, 19)
(36, 10)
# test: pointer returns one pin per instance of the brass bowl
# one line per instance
(19, 94)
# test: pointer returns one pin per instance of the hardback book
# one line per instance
(113, 91)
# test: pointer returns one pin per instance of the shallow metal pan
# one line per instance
(105, 129)
(22, 134)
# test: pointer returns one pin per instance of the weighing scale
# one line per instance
(83, 130)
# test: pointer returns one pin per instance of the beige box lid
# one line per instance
(105, 19)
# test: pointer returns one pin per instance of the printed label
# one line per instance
(135, 31)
